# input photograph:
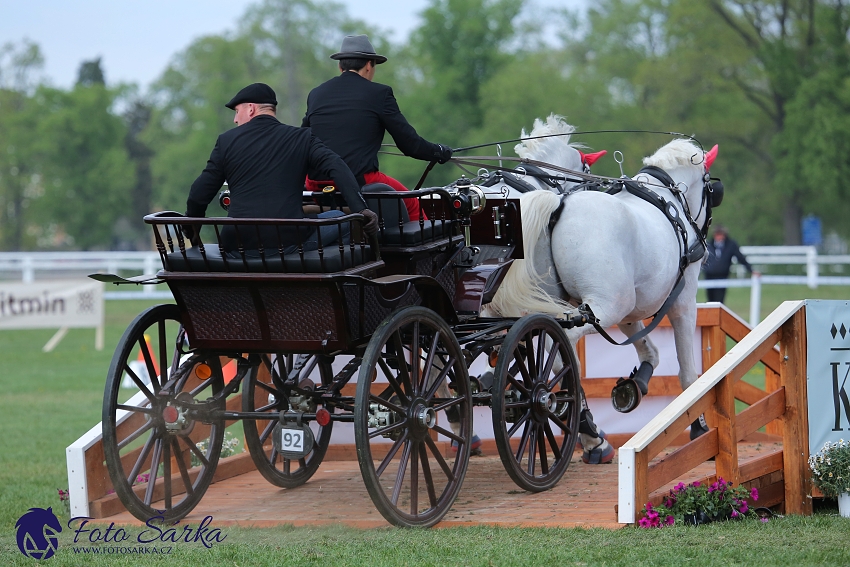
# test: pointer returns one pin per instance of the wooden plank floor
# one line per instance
(585, 496)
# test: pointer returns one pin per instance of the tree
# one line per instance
(88, 176)
(20, 179)
(90, 73)
(789, 42)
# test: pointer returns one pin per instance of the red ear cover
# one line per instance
(710, 156)
(590, 159)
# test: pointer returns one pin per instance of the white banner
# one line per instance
(828, 371)
(51, 304)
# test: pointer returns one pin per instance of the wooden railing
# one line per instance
(781, 475)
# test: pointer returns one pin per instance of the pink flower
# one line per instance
(670, 520)
(680, 487)
(696, 484)
(644, 523)
(754, 493)
(744, 507)
(735, 513)
(764, 520)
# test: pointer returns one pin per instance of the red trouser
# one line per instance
(412, 205)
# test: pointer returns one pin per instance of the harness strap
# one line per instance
(646, 330)
(519, 184)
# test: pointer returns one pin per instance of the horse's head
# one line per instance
(549, 142)
(688, 165)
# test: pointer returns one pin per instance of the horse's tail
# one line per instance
(521, 291)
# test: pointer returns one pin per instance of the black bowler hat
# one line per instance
(358, 47)
(258, 93)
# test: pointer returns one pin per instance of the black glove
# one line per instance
(371, 225)
(444, 154)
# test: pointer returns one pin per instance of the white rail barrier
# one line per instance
(46, 265)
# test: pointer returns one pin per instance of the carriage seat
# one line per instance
(396, 228)
(330, 260)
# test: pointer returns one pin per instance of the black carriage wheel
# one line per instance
(262, 393)
(535, 403)
(412, 478)
(161, 456)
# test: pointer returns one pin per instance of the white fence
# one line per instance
(28, 266)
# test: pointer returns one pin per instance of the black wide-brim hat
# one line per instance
(358, 47)
(258, 93)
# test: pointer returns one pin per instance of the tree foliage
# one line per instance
(769, 80)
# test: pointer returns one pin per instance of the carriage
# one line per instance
(377, 332)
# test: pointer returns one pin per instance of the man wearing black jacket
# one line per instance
(264, 163)
(721, 250)
(350, 114)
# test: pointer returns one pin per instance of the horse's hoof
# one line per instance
(699, 427)
(474, 448)
(599, 432)
(598, 456)
(626, 395)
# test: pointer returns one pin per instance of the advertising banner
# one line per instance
(51, 304)
(827, 371)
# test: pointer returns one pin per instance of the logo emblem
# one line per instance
(38, 533)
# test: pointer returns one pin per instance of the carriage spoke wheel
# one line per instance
(160, 454)
(269, 388)
(412, 373)
(536, 402)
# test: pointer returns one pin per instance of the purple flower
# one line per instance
(644, 523)
(670, 521)
(735, 513)
(764, 520)
(696, 484)
(744, 507)
(754, 493)
(680, 487)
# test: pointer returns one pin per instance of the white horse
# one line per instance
(616, 254)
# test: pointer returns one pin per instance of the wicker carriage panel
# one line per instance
(375, 307)
(300, 313)
(221, 312)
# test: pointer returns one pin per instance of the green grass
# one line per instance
(738, 298)
(49, 399)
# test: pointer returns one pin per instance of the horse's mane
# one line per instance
(551, 150)
(678, 153)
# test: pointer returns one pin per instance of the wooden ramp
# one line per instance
(586, 497)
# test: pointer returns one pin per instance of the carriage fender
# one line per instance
(479, 284)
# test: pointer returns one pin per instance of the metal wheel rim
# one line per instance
(543, 407)
(414, 449)
(178, 485)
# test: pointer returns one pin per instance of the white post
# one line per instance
(755, 300)
(148, 268)
(27, 270)
(812, 267)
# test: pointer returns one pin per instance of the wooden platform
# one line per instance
(586, 496)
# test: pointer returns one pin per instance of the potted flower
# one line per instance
(700, 503)
(831, 473)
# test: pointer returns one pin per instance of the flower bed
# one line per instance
(699, 503)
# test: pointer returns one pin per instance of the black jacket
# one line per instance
(717, 266)
(350, 115)
(265, 163)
